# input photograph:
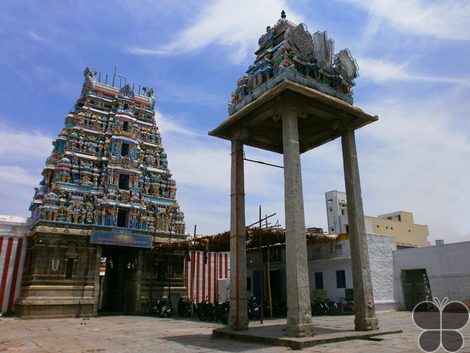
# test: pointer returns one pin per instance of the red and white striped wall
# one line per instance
(12, 255)
(13, 231)
(205, 275)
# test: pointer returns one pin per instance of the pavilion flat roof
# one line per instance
(322, 118)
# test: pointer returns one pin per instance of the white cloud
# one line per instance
(440, 19)
(16, 144)
(382, 71)
(17, 189)
(169, 125)
(226, 23)
(38, 38)
(22, 155)
(188, 94)
(415, 158)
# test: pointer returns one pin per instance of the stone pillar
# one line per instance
(299, 318)
(238, 316)
(365, 319)
(97, 290)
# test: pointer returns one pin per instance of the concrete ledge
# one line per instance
(273, 335)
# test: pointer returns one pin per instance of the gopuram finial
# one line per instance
(283, 14)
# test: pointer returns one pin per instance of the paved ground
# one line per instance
(134, 334)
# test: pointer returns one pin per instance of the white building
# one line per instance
(443, 270)
(398, 224)
(329, 262)
(336, 212)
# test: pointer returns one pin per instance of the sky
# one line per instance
(413, 59)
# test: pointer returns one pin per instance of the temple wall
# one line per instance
(12, 255)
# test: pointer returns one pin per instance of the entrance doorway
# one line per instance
(416, 287)
(118, 287)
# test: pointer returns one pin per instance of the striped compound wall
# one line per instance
(206, 275)
(12, 257)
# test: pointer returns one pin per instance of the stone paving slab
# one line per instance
(273, 335)
(140, 334)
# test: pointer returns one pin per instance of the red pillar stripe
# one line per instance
(216, 294)
(220, 265)
(192, 276)
(18, 253)
(226, 265)
(186, 271)
(204, 254)
(6, 266)
(21, 268)
(197, 277)
(209, 278)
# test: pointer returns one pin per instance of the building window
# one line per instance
(332, 229)
(340, 279)
(124, 149)
(342, 212)
(338, 249)
(124, 181)
(378, 226)
(399, 218)
(318, 280)
(125, 126)
(331, 210)
(122, 218)
(347, 228)
(274, 254)
(69, 269)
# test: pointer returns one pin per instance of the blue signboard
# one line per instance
(121, 239)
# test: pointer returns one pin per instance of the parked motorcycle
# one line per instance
(254, 309)
(163, 308)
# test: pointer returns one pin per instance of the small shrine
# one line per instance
(296, 96)
(105, 198)
(289, 51)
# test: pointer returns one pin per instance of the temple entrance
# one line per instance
(118, 286)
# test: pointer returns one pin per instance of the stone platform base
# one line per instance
(38, 302)
(37, 310)
(273, 335)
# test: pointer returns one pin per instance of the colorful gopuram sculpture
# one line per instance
(289, 51)
(108, 167)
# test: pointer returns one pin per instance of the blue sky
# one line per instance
(414, 74)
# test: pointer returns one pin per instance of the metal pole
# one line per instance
(268, 277)
(260, 269)
(192, 277)
(114, 74)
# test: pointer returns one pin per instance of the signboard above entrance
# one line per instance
(121, 239)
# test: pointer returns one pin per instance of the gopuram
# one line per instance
(296, 96)
(105, 198)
